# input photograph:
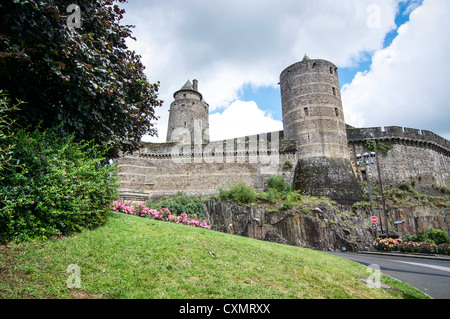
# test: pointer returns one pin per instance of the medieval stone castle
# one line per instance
(315, 151)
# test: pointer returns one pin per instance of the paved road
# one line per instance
(431, 276)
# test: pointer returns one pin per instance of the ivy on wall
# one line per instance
(383, 147)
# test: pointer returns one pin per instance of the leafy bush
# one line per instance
(288, 165)
(6, 132)
(292, 199)
(85, 78)
(271, 196)
(182, 203)
(59, 187)
(278, 183)
(431, 235)
(240, 193)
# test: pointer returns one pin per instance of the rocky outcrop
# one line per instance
(320, 226)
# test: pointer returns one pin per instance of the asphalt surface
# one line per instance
(429, 274)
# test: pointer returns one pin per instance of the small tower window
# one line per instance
(336, 111)
(331, 70)
(183, 106)
(184, 95)
(306, 111)
(334, 91)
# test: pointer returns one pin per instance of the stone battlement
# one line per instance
(241, 146)
(406, 134)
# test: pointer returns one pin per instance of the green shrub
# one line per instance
(271, 196)
(59, 187)
(437, 236)
(407, 186)
(286, 205)
(292, 199)
(278, 183)
(6, 132)
(181, 203)
(240, 193)
(288, 165)
(431, 235)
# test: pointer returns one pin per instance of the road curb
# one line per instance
(423, 256)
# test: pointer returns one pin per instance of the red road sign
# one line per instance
(374, 219)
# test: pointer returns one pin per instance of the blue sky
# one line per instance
(386, 51)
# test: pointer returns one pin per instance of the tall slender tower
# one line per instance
(189, 116)
(314, 117)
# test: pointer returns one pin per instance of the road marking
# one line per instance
(424, 265)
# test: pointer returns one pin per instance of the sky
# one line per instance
(391, 57)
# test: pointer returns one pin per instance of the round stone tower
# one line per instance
(188, 117)
(314, 117)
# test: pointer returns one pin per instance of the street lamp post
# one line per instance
(367, 159)
(383, 204)
(364, 160)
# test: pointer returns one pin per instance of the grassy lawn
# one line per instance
(134, 257)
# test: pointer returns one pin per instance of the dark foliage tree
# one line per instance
(76, 75)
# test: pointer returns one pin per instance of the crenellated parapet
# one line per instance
(266, 143)
(400, 135)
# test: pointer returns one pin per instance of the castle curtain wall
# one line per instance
(410, 154)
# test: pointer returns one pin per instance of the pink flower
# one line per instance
(164, 214)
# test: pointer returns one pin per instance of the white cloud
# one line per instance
(407, 84)
(241, 119)
(228, 44)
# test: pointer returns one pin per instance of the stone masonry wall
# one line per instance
(412, 155)
(156, 171)
(154, 177)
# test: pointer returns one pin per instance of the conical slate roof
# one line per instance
(187, 86)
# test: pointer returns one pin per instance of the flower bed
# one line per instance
(139, 209)
(390, 244)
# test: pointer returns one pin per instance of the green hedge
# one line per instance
(55, 187)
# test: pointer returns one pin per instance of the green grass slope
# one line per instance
(133, 257)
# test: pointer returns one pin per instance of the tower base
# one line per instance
(330, 177)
